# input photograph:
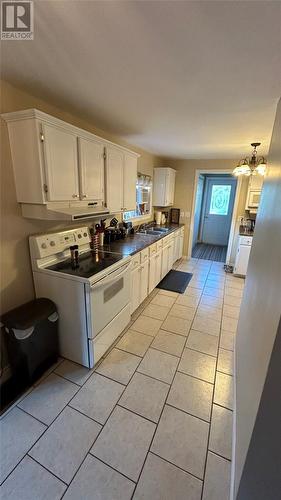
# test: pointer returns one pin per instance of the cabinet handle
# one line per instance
(75, 196)
(85, 196)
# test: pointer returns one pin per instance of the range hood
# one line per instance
(64, 213)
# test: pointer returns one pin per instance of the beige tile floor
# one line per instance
(152, 421)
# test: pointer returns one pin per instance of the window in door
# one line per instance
(220, 198)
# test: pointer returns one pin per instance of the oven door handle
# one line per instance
(112, 277)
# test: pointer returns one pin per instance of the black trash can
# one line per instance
(31, 334)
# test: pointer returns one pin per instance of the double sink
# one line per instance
(153, 231)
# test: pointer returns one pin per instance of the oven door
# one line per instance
(108, 297)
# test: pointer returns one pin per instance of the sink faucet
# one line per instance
(145, 225)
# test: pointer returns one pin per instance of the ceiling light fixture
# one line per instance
(251, 166)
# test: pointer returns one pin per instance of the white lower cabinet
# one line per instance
(181, 243)
(155, 275)
(170, 254)
(167, 255)
(139, 279)
(144, 273)
(152, 268)
(242, 255)
(151, 265)
(178, 244)
(158, 258)
(135, 289)
(165, 261)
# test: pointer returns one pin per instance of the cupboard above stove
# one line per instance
(57, 165)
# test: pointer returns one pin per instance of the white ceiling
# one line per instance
(181, 79)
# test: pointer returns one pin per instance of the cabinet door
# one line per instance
(135, 288)
(159, 187)
(61, 164)
(158, 259)
(181, 246)
(242, 259)
(171, 177)
(114, 179)
(170, 255)
(255, 182)
(176, 246)
(144, 271)
(152, 271)
(91, 163)
(165, 261)
(130, 181)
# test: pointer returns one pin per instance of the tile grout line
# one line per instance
(177, 467)
(156, 427)
(43, 466)
(211, 415)
(208, 443)
(102, 425)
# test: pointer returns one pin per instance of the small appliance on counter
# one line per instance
(165, 217)
(128, 227)
(158, 217)
(161, 217)
(97, 235)
(247, 225)
(175, 215)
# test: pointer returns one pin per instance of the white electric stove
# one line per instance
(93, 299)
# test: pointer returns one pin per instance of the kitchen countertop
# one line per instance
(137, 242)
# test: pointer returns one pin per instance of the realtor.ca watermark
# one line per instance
(17, 20)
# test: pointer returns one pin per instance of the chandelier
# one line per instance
(251, 166)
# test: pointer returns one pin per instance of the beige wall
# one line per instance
(16, 277)
(185, 179)
(261, 306)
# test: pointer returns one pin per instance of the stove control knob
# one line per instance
(43, 245)
(79, 235)
(52, 243)
(85, 235)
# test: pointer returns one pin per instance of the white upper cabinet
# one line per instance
(129, 181)
(163, 187)
(91, 163)
(254, 193)
(58, 164)
(121, 179)
(61, 164)
(114, 179)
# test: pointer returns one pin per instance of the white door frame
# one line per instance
(234, 212)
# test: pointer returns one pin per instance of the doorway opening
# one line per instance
(213, 211)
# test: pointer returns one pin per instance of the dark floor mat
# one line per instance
(209, 252)
(175, 281)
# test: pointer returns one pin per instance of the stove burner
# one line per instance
(90, 263)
